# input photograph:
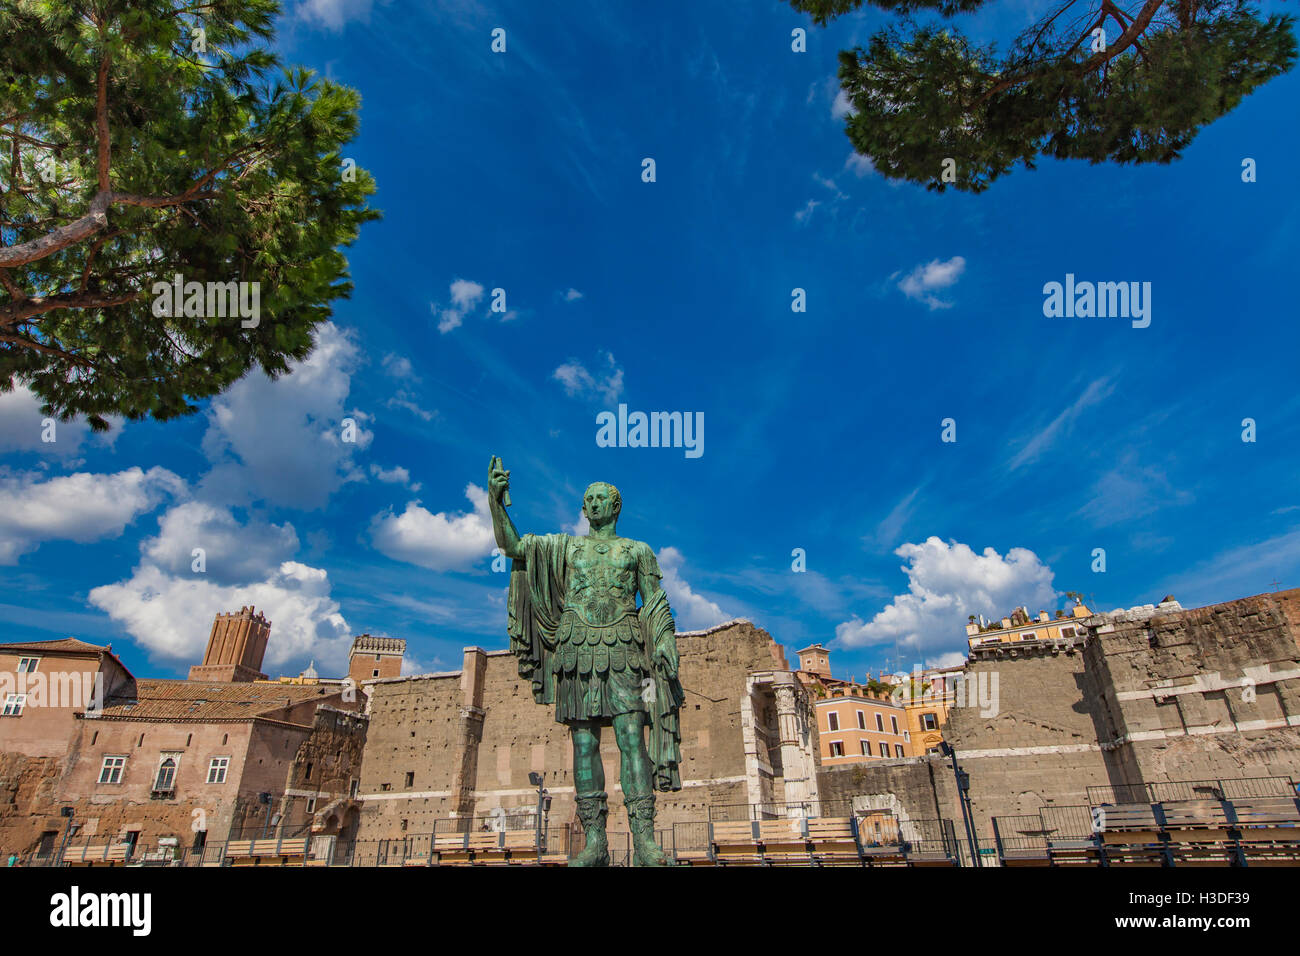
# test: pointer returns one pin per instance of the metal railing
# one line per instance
(1214, 789)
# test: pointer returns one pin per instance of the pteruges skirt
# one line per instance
(600, 672)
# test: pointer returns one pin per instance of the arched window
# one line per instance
(166, 775)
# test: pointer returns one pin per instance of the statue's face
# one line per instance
(601, 503)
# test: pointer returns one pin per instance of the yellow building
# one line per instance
(1020, 627)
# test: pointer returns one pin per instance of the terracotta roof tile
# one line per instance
(158, 699)
(64, 644)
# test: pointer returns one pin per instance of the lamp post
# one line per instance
(543, 806)
(64, 812)
(963, 798)
(264, 798)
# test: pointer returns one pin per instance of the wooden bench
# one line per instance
(253, 852)
(487, 848)
(928, 853)
(521, 847)
(736, 843)
(784, 842)
(1131, 835)
(1268, 830)
(451, 849)
(107, 855)
(1073, 851)
(1199, 833)
(833, 841)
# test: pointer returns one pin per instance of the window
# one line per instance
(898, 750)
(352, 791)
(884, 749)
(834, 719)
(376, 658)
(837, 749)
(893, 722)
(374, 673)
(1067, 632)
(1029, 636)
(311, 804)
(862, 721)
(111, 771)
(166, 779)
(932, 751)
(866, 748)
(309, 769)
(410, 779)
(929, 722)
(217, 769)
(14, 704)
(880, 723)
(385, 787)
(200, 840)
(27, 665)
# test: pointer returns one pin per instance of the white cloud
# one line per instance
(21, 428)
(579, 527)
(171, 615)
(692, 611)
(397, 475)
(859, 164)
(232, 553)
(1095, 393)
(334, 14)
(1130, 491)
(81, 507)
(404, 400)
(398, 366)
(578, 382)
(572, 295)
(806, 212)
(465, 295)
(282, 441)
(948, 582)
(841, 106)
(922, 281)
(440, 542)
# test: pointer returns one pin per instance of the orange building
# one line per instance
(855, 722)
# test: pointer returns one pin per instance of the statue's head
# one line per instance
(601, 503)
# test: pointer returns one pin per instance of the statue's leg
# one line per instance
(638, 793)
(589, 788)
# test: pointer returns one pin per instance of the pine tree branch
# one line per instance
(14, 313)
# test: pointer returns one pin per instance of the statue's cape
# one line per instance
(536, 600)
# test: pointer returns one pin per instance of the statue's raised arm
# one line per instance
(498, 501)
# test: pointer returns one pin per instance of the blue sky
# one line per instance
(523, 171)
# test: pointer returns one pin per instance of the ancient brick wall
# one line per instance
(1205, 693)
(418, 727)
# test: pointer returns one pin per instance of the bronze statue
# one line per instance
(588, 649)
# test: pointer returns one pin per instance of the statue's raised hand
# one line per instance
(498, 482)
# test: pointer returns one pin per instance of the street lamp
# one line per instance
(543, 805)
(264, 798)
(963, 799)
(65, 812)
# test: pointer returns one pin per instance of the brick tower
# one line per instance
(235, 648)
(373, 657)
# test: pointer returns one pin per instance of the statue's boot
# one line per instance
(641, 820)
(592, 810)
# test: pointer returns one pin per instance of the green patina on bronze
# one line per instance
(598, 658)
